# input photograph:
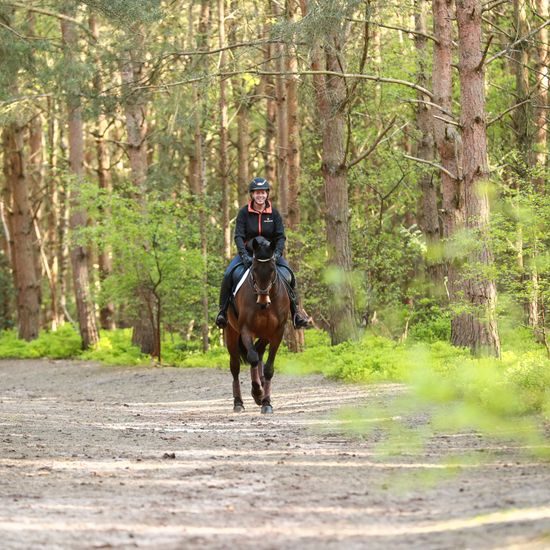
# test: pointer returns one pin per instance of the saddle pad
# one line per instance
(240, 283)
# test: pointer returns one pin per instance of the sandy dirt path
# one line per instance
(108, 457)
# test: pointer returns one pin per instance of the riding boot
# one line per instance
(299, 318)
(225, 295)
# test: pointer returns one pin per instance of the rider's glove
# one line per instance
(247, 260)
(276, 255)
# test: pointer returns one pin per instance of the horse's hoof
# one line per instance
(238, 408)
(267, 409)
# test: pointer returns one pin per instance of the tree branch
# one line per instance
(220, 49)
(435, 165)
(482, 60)
(60, 16)
(378, 139)
(492, 4)
(402, 29)
(497, 118)
(424, 102)
(285, 73)
(447, 121)
(519, 41)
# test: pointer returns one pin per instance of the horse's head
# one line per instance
(263, 269)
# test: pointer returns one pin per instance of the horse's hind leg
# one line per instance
(232, 339)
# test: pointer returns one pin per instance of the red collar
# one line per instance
(266, 210)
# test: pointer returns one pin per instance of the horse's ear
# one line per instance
(272, 245)
(254, 244)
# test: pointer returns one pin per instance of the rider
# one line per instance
(256, 218)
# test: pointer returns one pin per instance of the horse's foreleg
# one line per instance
(269, 369)
(254, 359)
(238, 405)
(260, 348)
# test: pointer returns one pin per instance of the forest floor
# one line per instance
(111, 457)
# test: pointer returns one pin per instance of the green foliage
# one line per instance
(127, 12)
(507, 398)
(156, 252)
(64, 343)
(430, 322)
(115, 348)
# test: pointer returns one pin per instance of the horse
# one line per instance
(256, 319)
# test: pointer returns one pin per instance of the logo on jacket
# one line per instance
(267, 220)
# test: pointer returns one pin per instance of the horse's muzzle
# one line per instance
(263, 300)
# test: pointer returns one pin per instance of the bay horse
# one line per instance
(257, 319)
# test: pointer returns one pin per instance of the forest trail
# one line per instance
(110, 457)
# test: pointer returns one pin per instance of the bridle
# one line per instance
(260, 292)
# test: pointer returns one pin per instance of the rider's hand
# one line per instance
(276, 255)
(247, 260)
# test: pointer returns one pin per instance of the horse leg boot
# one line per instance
(225, 295)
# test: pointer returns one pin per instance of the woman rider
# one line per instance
(258, 217)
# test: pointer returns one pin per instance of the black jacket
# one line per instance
(268, 224)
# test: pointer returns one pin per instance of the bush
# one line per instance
(64, 343)
(430, 322)
(115, 348)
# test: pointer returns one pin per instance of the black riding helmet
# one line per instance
(259, 184)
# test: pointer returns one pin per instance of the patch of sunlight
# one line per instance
(336, 528)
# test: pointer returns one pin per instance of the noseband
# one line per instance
(261, 292)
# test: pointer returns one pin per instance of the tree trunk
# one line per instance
(294, 338)
(541, 109)
(23, 250)
(522, 115)
(524, 132)
(243, 147)
(270, 149)
(107, 311)
(428, 208)
(540, 156)
(36, 177)
(199, 177)
(78, 218)
(135, 107)
(51, 242)
(282, 122)
(477, 327)
(243, 103)
(224, 137)
(331, 93)
(447, 138)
